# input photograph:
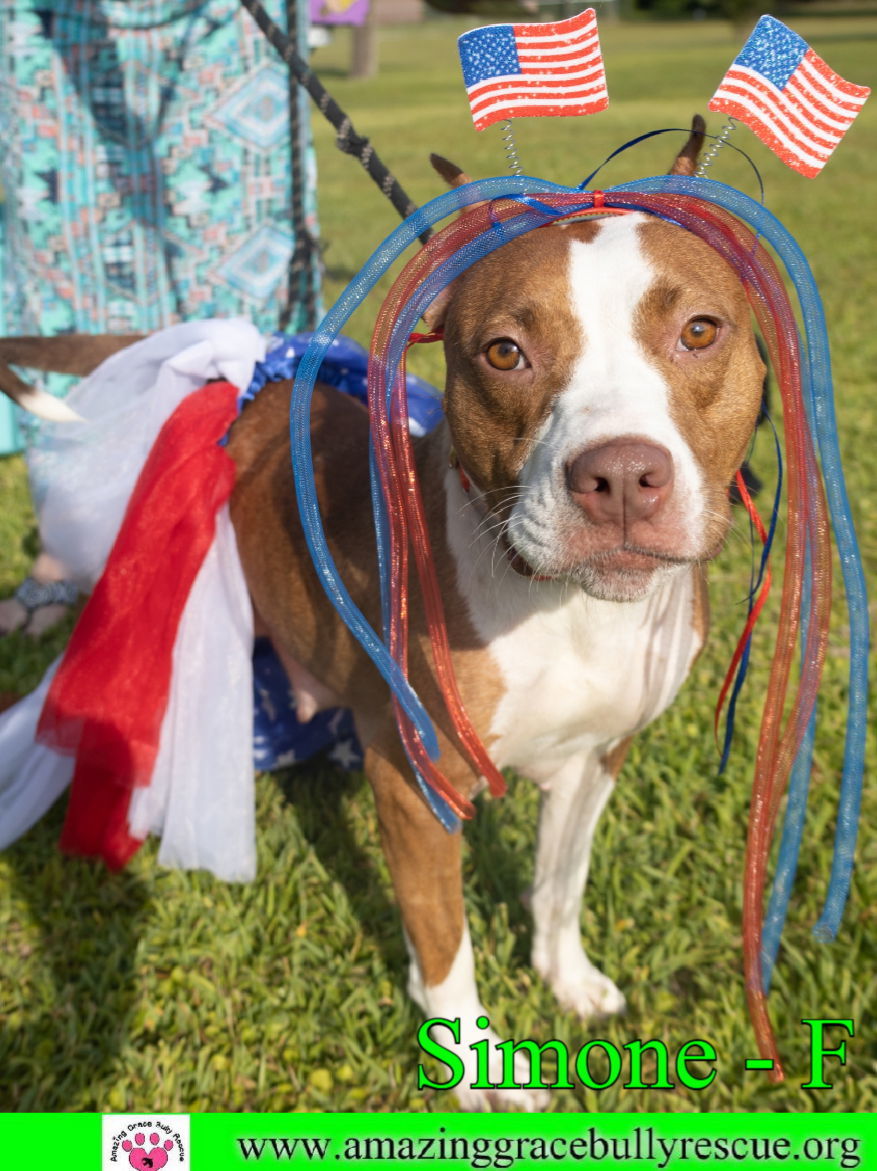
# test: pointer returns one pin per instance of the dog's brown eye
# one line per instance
(504, 354)
(699, 333)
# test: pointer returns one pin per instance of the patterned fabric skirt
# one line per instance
(145, 167)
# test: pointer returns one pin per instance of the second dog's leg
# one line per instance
(572, 802)
(425, 862)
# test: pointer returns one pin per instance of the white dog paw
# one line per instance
(580, 988)
(484, 1074)
(519, 1101)
(595, 997)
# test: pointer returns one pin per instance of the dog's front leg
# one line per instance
(572, 802)
(425, 863)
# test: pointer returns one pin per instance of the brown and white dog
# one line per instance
(603, 382)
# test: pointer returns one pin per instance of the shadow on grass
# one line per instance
(77, 1016)
(74, 1013)
(316, 794)
(499, 870)
(495, 871)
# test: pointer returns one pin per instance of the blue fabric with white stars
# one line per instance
(488, 52)
(773, 50)
(279, 738)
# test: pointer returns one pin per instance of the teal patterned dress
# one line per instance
(145, 166)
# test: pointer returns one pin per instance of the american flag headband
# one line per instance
(495, 211)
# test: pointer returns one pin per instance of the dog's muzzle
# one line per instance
(620, 482)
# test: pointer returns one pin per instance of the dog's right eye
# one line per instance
(504, 354)
(699, 333)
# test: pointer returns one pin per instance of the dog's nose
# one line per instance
(622, 481)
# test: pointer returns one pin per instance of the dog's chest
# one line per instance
(585, 674)
(576, 674)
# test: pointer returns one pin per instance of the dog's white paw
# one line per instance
(489, 1079)
(590, 997)
(517, 1101)
(580, 988)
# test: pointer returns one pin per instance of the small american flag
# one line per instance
(532, 70)
(796, 105)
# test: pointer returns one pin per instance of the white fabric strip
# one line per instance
(84, 473)
(32, 777)
(202, 795)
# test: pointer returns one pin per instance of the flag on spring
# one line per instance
(794, 102)
(534, 70)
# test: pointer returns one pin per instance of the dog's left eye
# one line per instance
(504, 354)
(699, 333)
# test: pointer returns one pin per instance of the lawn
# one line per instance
(176, 992)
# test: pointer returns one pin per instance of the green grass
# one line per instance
(177, 992)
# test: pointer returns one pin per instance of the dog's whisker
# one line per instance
(491, 541)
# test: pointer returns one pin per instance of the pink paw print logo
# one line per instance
(142, 1159)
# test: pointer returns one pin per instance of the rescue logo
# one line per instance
(146, 1142)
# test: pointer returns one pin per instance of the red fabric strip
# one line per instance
(109, 696)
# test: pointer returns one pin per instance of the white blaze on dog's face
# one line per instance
(603, 383)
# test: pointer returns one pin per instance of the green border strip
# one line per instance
(229, 1142)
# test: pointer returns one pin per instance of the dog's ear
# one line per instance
(685, 162)
(434, 316)
(450, 172)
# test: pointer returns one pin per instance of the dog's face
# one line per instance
(603, 383)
